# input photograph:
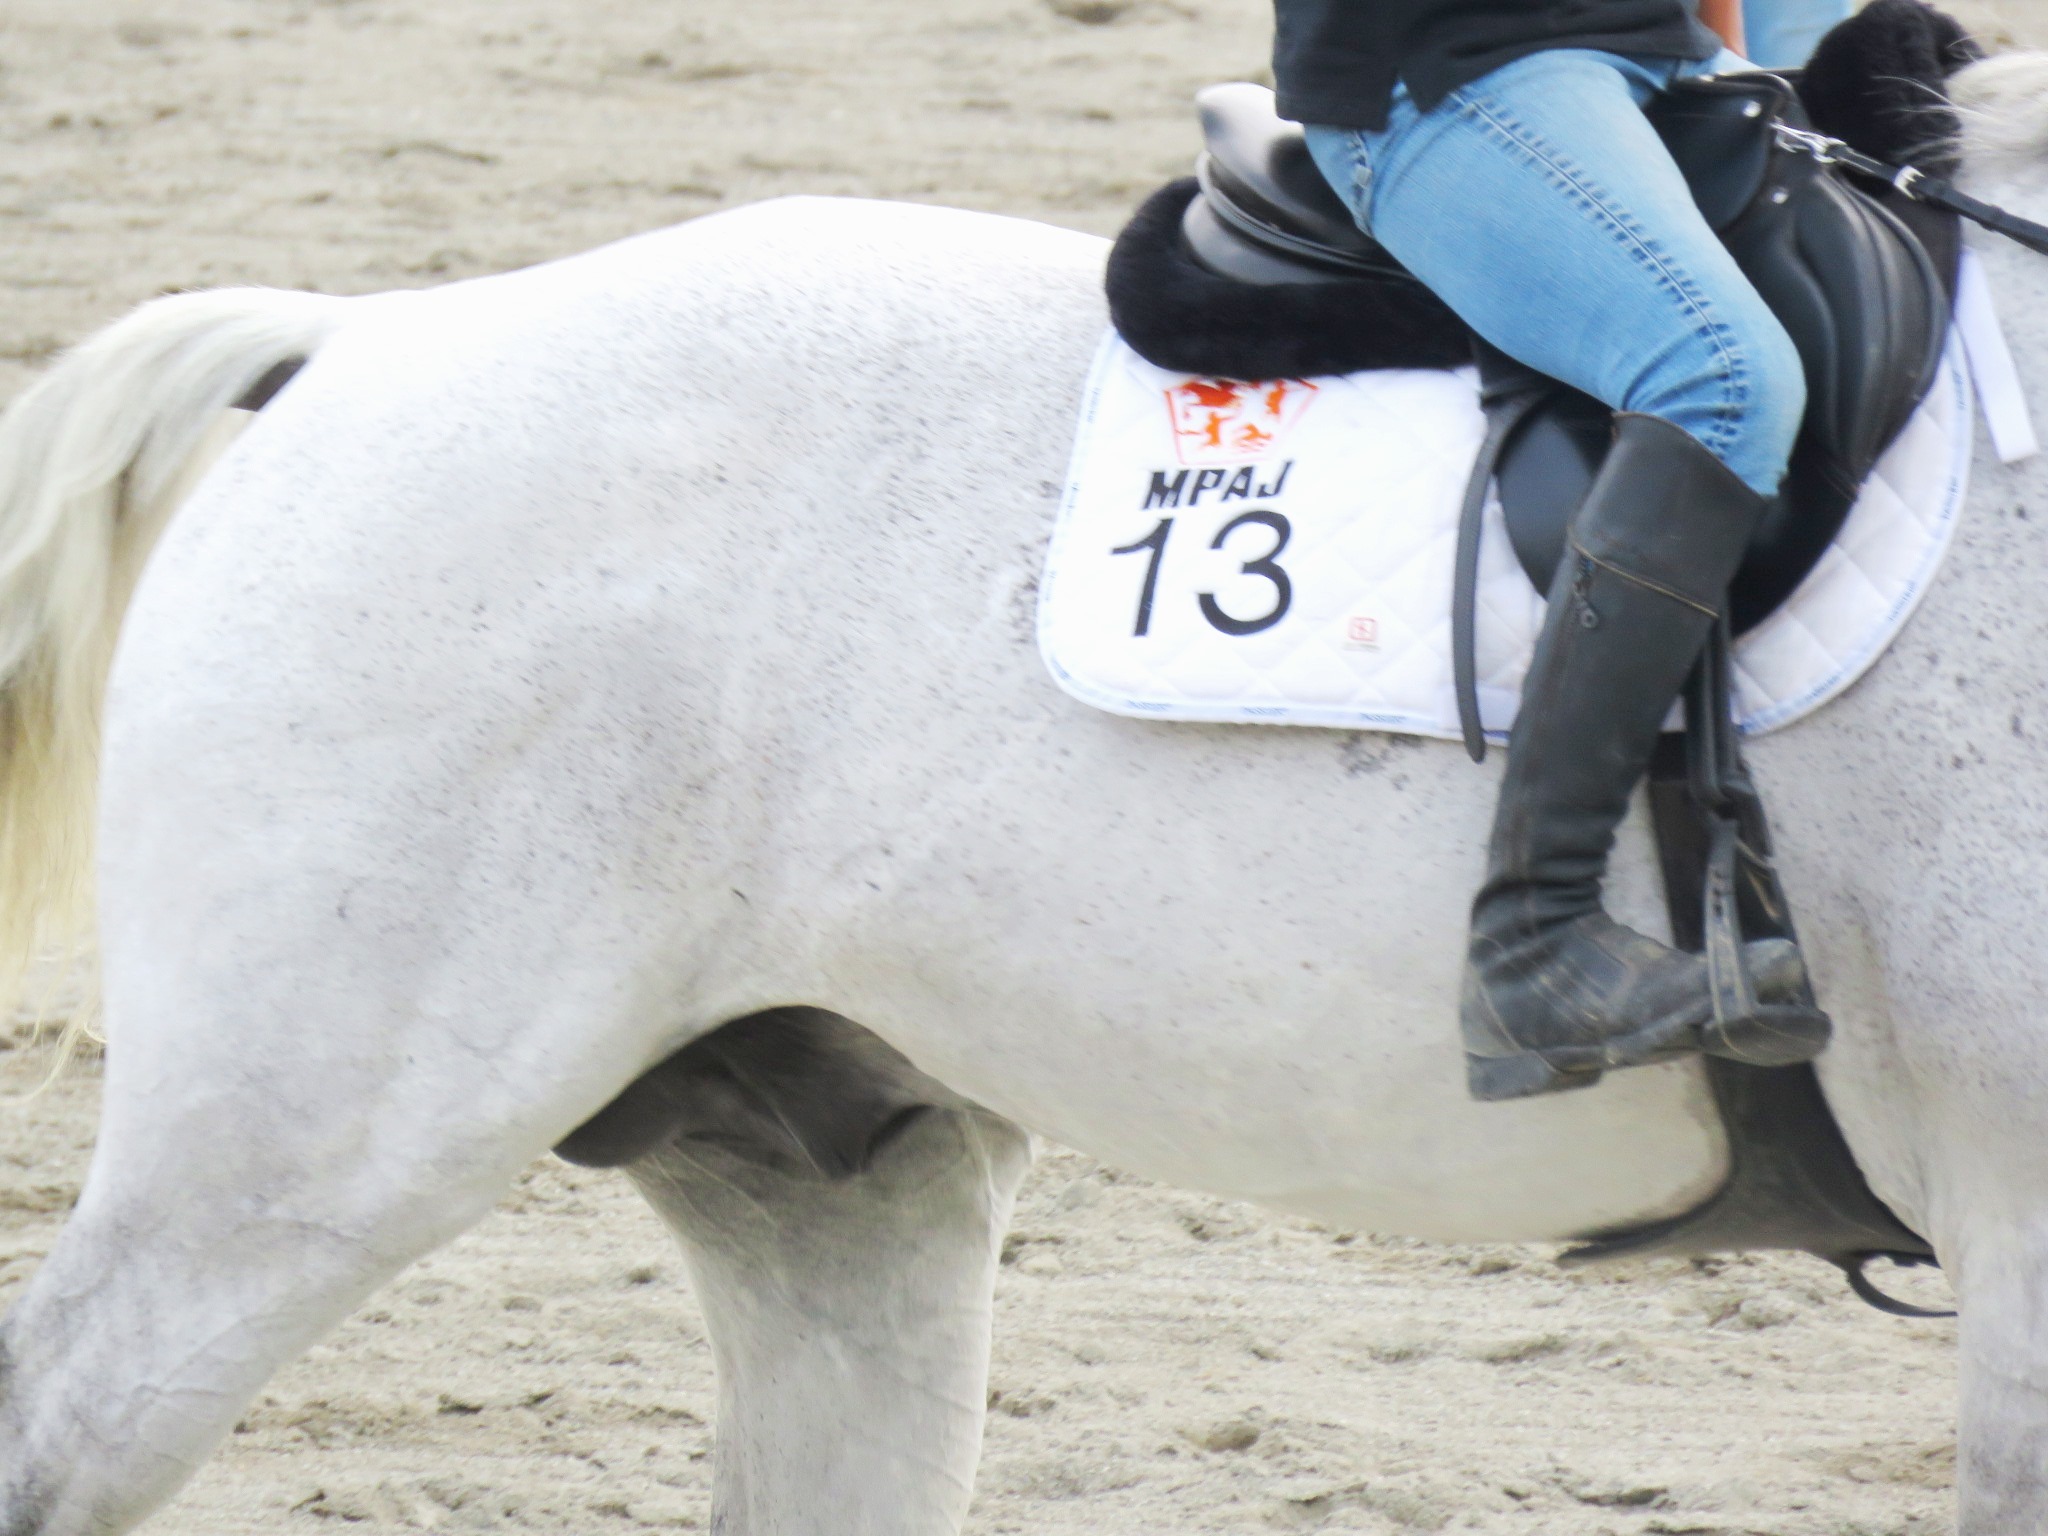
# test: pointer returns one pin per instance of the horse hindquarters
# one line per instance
(849, 1315)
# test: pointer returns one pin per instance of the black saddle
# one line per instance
(1863, 298)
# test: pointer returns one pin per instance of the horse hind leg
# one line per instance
(295, 1108)
(841, 1215)
(238, 1206)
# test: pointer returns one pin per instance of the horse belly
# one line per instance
(1224, 959)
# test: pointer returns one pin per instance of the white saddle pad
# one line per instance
(1281, 552)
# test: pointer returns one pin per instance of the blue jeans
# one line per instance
(1782, 33)
(1539, 203)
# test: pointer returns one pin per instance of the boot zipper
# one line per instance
(1582, 594)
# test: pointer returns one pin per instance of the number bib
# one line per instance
(1281, 552)
(1273, 551)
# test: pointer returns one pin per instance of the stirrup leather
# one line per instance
(1742, 899)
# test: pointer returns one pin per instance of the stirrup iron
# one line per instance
(1741, 899)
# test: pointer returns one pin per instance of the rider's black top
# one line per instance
(1336, 61)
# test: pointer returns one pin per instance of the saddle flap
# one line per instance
(1714, 129)
(1860, 297)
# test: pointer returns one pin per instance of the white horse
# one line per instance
(574, 662)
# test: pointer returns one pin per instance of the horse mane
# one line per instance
(2003, 104)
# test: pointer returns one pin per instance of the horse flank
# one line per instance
(93, 460)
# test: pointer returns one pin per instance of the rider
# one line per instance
(1499, 149)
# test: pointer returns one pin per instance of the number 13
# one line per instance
(1266, 566)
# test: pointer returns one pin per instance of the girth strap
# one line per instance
(1508, 396)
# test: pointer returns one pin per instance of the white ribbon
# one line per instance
(1991, 365)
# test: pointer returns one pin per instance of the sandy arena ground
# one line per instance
(1164, 1362)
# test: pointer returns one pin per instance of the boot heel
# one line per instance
(1493, 1078)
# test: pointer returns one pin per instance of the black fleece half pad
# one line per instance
(1178, 314)
(1878, 82)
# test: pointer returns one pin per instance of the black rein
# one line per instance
(1908, 181)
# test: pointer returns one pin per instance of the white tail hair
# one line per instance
(89, 455)
(2003, 102)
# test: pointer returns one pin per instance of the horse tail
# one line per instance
(93, 459)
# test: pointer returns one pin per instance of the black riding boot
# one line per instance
(1555, 990)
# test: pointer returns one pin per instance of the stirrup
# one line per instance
(1739, 866)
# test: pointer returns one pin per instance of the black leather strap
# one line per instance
(1937, 193)
(1856, 1267)
(1911, 182)
(1504, 414)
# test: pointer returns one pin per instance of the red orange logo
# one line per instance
(1228, 421)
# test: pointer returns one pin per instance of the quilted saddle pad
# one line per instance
(1281, 552)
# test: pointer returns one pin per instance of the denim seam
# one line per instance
(1360, 182)
(1518, 136)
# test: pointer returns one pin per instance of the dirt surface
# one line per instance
(1164, 1362)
